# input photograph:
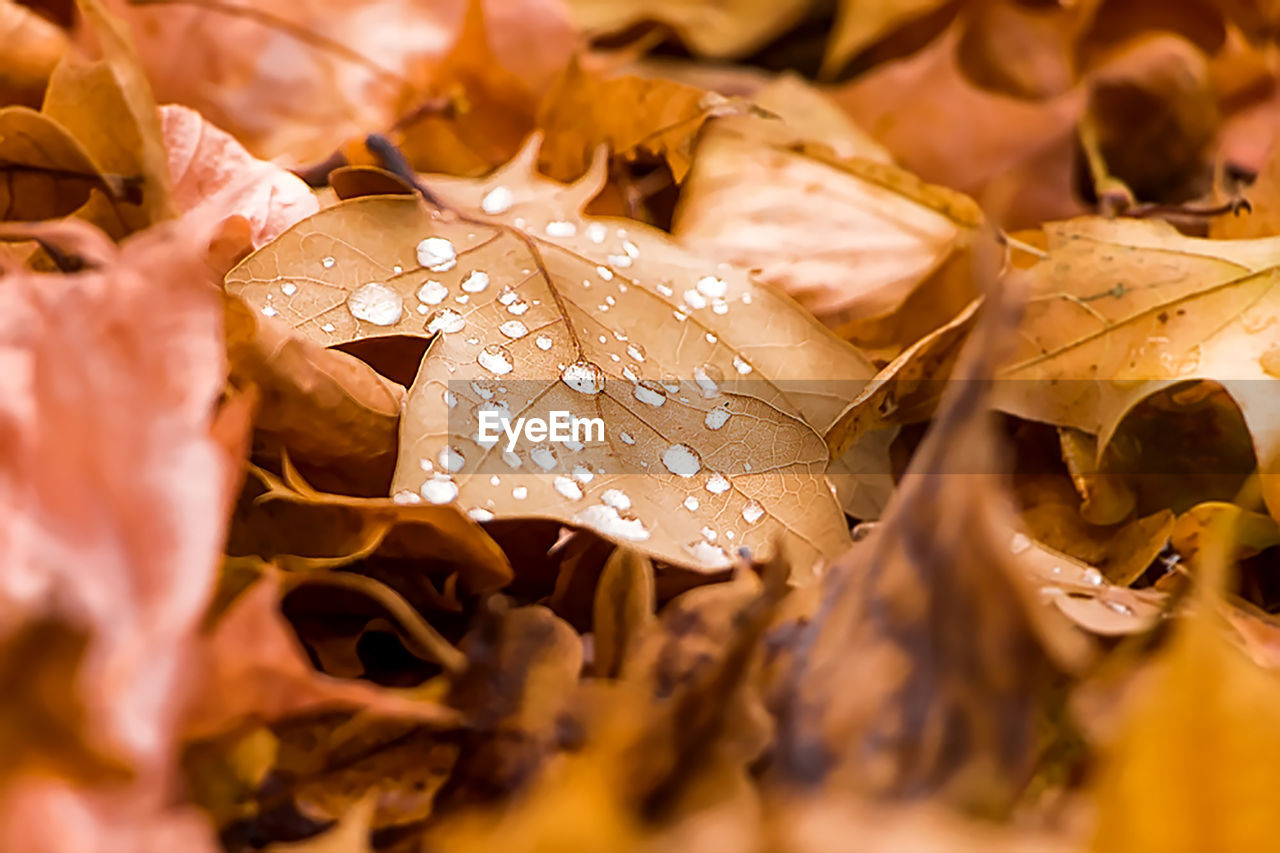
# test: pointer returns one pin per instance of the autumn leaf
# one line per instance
(858, 239)
(723, 29)
(48, 174)
(34, 46)
(567, 353)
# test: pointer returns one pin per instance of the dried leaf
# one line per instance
(623, 609)
(555, 354)
(47, 173)
(860, 23)
(726, 29)
(33, 47)
(210, 170)
(843, 237)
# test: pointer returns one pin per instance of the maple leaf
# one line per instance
(1121, 310)
(599, 348)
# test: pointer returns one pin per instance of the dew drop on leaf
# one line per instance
(440, 489)
(607, 520)
(751, 511)
(375, 303)
(681, 460)
(717, 484)
(432, 293)
(568, 488)
(445, 320)
(495, 359)
(584, 377)
(497, 200)
(437, 254)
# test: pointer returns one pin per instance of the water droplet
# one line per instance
(626, 438)
(694, 299)
(445, 320)
(479, 513)
(495, 358)
(327, 327)
(719, 306)
(327, 263)
(397, 269)
(740, 365)
(597, 232)
(665, 290)
(717, 484)
(606, 520)
(751, 512)
(568, 488)
(623, 261)
(711, 286)
(1269, 361)
(1019, 543)
(475, 282)
(518, 307)
(375, 303)
(1119, 607)
(583, 377)
(681, 460)
(543, 342)
(711, 556)
(680, 315)
(711, 339)
(451, 459)
(631, 249)
(449, 399)
(405, 496)
(746, 298)
(512, 460)
(707, 376)
(636, 352)
(520, 493)
(440, 489)
(616, 498)
(288, 288)
(691, 503)
(514, 329)
(269, 311)
(716, 418)
(1092, 576)
(560, 228)
(497, 200)
(708, 534)
(649, 392)
(432, 292)
(437, 254)
(543, 457)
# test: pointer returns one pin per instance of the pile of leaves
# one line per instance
(937, 349)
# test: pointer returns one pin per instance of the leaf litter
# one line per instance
(903, 529)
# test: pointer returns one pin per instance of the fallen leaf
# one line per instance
(33, 48)
(623, 609)
(860, 23)
(567, 354)
(725, 29)
(1121, 310)
(48, 174)
(209, 170)
(842, 237)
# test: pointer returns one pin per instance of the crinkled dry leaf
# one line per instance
(587, 317)
(842, 237)
(1121, 310)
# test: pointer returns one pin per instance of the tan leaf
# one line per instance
(1121, 310)
(108, 106)
(47, 173)
(843, 237)
(860, 23)
(582, 316)
(725, 29)
(33, 47)
(1202, 692)
(623, 609)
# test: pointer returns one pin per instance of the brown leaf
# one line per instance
(107, 105)
(46, 173)
(727, 29)
(843, 237)
(541, 245)
(33, 47)
(860, 23)
(623, 610)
